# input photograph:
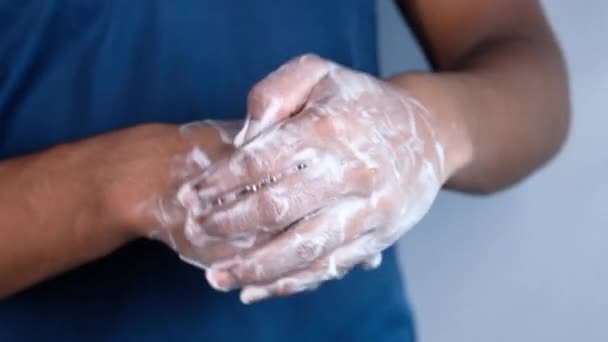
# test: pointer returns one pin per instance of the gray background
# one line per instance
(531, 263)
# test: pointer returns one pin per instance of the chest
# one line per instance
(73, 68)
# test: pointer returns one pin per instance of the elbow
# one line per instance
(530, 134)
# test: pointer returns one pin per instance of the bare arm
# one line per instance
(500, 73)
(51, 217)
(77, 202)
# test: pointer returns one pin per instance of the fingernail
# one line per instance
(239, 139)
(372, 263)
(221, 280)
(255, 128)
(251, 129)
(252, 294)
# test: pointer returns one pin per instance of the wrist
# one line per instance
(140, 170)
(77, 184)
(134, 174)
(448, 119)
(113, 164)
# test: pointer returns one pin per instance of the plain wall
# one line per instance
(531, 263)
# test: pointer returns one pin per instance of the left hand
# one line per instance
(342, 165)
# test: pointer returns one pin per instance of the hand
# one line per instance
(335, 164)
(143, 172)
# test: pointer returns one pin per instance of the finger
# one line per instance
(196, 255)
(297, 247)
(373, 262)
(277, 205)
(305, 140)
(206, 250)
(281, 94)
(333, 266)
(293, 142)
(272, 154)
(197, 132)
(227, 129)
(213, 251)
(190, 164)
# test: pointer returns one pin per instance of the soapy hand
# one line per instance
(187, 151)
(333, 164)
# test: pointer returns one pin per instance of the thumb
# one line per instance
(281, 94)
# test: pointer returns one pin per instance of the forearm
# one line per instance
(77, 202)
(504, 110)
(52, 216)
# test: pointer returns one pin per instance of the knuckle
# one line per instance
(309, 250)
(251, 165)
(216, 225)
(262, 94)
(293, 285)
(228, 224)
(214, 252)
(309, 57)
(363, 178)
(284, 287)
(272, 208)
(248, 272)
(328, 125)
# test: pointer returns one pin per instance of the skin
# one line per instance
(500, 96)
(375, 160)
(501, 72)
(485, 96)
(77, 202)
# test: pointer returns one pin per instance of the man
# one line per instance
(332, 166)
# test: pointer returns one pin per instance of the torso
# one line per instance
(74, 68)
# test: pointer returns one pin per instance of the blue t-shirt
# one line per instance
(70, 69)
